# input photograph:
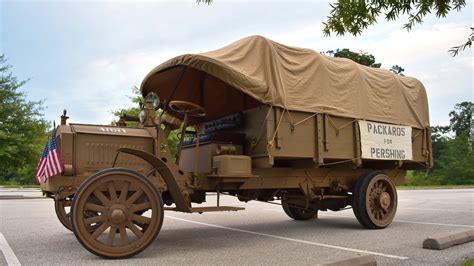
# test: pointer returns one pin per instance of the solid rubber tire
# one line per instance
(359, 201)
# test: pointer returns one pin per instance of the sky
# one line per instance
(86, 56)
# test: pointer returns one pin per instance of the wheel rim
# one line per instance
(63, 208)
(381, 200)
(117, 215)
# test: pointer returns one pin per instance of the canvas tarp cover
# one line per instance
(293, 78)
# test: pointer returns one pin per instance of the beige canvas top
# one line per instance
(293, 78)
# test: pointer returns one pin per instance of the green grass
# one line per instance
(15, 184)
(470, 262)
(18, 186)
(436, 187)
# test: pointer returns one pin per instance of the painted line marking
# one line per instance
(8, 253)
(292, 239)
(434, 202)
(447, 210)
(398, 221)
(428, 223)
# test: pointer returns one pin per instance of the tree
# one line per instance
(456, 49)
(460, 121)
(439, 141)
(353, 16)
(23, 130)
(362, 58)
(455, 162)
(396, 69)
(137, 98)
(453, 154)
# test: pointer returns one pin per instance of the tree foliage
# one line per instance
(354, 16)
(456, 49)
(455, 162)
(22, 129)
(453, 151)
(396, 69)
(137, 98)
(362, 58)
(461, 119)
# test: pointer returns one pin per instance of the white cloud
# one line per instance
(106, 85)
(423, 53)
(92, 53)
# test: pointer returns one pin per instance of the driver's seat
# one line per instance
(219, 131)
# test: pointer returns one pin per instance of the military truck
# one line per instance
(257, 120)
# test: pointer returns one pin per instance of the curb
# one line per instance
(366, 260)
(447, 241)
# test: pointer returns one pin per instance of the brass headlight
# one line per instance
(141, 116)
(152, 99)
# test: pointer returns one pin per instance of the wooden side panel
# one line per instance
(255, 131)
(419, 144)
(339, 138)
(295, 138)
(319, 137)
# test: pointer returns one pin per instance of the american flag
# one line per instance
(50, 164)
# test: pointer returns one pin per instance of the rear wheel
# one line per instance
(298, 213)
(127, 213)
(374, 200)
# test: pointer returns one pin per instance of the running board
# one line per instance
(210, 209)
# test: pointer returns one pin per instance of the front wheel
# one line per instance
(128, 213)
(374, 200)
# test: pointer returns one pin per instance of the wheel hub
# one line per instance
(118, 216)
(384, 200)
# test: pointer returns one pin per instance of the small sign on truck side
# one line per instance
(384, 141)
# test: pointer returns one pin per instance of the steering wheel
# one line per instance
(184, 107)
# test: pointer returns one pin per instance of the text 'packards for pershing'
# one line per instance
(385, 142)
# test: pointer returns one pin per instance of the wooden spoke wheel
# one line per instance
(374, 200)
(62, 208)
(298, 213)
(117, 213)
(63, 212)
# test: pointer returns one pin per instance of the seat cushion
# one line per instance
(227, 122)
(221, 137)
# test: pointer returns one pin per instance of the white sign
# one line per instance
(385, 142)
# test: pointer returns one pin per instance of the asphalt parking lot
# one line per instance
(261, 234)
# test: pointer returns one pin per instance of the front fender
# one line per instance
(169, 173)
